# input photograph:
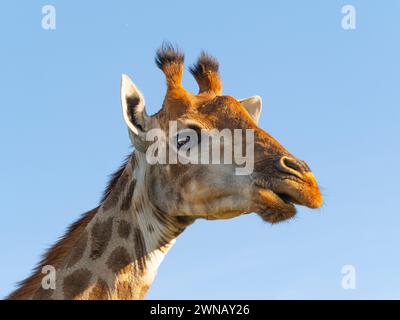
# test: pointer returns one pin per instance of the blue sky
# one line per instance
(330, 96)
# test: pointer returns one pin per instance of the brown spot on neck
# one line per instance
(118, 259)
(101, 235)
(78, 250)
(124, 229)
(76, 283)
(127, 201)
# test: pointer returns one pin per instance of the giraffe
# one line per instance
(114, 250)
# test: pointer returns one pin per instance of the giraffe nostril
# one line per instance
(291, 163)
(292, 166)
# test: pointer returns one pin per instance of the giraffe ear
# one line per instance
(253, 106)
(133, 109)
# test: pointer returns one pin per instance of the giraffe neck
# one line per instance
(118, 253)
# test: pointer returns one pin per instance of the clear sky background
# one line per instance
(331, 96)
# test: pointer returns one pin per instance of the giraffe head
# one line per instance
(277, 179)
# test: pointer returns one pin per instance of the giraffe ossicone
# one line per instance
(114, 250)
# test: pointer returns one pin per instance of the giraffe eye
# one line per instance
(181, 140)
(188, 137)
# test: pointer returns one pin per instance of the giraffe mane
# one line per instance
(114, 179)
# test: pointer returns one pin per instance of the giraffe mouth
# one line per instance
(286, 198)
(276, 199)
(278, 189)
(273, 205)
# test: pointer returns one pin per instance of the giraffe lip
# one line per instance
(285, 197)
(279, 192)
